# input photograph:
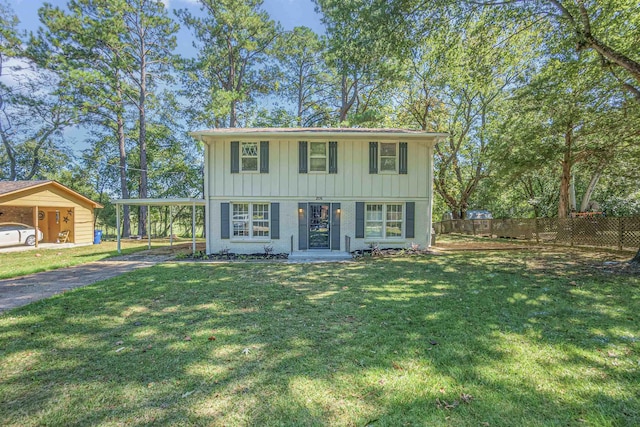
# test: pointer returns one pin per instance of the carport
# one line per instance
(162, 203)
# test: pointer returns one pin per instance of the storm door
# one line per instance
(319, 226)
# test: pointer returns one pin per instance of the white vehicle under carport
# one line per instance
(13, 233)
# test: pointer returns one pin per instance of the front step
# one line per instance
(319, 256)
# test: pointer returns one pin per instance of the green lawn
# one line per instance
(467, 339)
(13, 264)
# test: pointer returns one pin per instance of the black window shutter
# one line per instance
(264, 156)
(224, 221)
(333, 157)
(335, 226)
(275, 220)
(303, 229)
(410, 207)
(359, 220)
(373, 157)
(403, 159)
(235, 156)
(302, 156)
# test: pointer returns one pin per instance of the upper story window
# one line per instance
(388, 157)
(249, 156)
(317, 156)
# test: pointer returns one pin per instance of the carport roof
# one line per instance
(160, 202)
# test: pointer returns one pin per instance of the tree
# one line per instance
(83, 47)
(105, 53)
(233, 40)
(149, 39)
(32, 115)
(588, 26)
(463, 81)
(565, 117)
(363, 51)
(302, 76)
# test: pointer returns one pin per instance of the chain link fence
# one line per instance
(618, 233)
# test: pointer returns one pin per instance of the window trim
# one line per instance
(384, 222)
(257, 157)
(380, 156)
(326, 157)
(250, 213)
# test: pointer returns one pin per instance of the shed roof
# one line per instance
(14, 188)
(7, 187)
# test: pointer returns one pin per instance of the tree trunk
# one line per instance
(233, 115)
(300, 95)
(126, 221)
(590, 189)
(636, 259)
(565, 180)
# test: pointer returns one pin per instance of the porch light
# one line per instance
(338, 211)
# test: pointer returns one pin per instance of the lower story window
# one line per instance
(383, 220)
(250, 220)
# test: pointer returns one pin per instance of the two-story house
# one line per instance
(308, 189)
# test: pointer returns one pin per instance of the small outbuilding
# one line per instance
(50, 206)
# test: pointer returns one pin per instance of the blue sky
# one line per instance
(290, 13)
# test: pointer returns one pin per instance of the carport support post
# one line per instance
(193, 226)
(118, 227)
(170, 225)
(35, 223)
(148, 226)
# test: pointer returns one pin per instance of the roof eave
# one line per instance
(434, 136)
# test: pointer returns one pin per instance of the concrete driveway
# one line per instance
(20, 291)
(22, 248)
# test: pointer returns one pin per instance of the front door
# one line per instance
(319, 226)
(53, 226)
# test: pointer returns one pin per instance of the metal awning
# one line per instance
(159, 202)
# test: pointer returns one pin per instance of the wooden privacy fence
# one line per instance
(620, 233)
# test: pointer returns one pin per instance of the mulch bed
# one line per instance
(231, 256)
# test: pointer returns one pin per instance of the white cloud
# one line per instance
(168, 3)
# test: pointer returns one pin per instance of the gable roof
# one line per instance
(14, 188)
(7, 187)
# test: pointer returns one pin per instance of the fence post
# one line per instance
(473, 226)
(620, 233)
(491, 228)
(537, 231)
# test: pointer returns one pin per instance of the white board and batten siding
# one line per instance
(353, 180)
(285, 185)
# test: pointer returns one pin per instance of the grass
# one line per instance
(467, 339)
(14, 264)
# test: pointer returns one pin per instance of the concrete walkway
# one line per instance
(20, 291)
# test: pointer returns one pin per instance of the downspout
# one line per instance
(207, 200)
(430, 174)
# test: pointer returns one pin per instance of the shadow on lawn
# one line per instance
(388, 342)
